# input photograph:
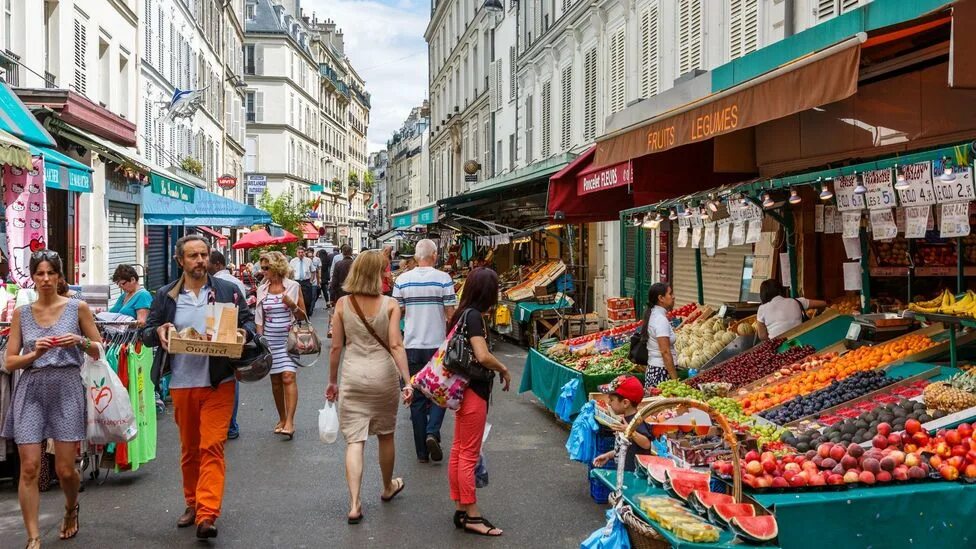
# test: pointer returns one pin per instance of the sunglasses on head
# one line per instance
(45, 255)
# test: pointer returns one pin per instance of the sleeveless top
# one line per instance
(55, 357)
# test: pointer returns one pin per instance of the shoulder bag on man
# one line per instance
(638, 342)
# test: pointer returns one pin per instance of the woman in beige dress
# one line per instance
(366, 339)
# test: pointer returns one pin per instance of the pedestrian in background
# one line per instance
(218, 269)
(48, 340)
(314, 278)
(340, 271)
(427, 298)
(367, 341)
(302, 272)
(479, 297)
(280, 304)
(325, 260)
(201, 388)
(135, 300)
(388, 271)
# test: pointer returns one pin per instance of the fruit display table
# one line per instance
(546, 377)
(635, 487)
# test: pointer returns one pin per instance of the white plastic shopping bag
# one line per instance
(328, 423)
(110, 418)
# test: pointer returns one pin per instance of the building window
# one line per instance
(689, 36)
(649, 52)
(566, 108)
(589, 95)
(546, 119)
(249, 58)
(617, 73)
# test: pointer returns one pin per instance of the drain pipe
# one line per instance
(789, 12)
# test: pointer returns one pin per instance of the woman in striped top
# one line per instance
(279, 301)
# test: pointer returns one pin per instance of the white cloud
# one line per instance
(385, 43)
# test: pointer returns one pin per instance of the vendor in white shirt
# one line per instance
(779, 314)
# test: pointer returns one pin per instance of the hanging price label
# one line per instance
(696, 221)
(709, 236)
(838, 222)
(754, 232)
(919, 179)
(916, 221)
(847, 200)
(723, 234)
(852, 224)
(684, 222)
(682, 237)
(818, 218)
(739, 233)
(829, 214)
(883, 225)
(956, 189)
(880, 192)
(752, 211)
(696, 235)
(900, 219)
(955, 220)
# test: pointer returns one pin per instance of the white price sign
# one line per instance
(754, 232)
(829, 214)
(818, 218)
(880, 192)
(847, 200)
(919, 179)
(723, 234)
(883, 225)
(852, 224)
(916, 221)
(900, 219)
(696, 221)
(696, 235)
(955, 220)
(684, 222)
(959, 189)
(739, 233)
(682, 237)
(752, 211)
(838, 222)
(709, 236)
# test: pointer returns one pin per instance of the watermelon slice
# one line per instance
(755, 529)
(702, 501)
(683, 486)
(656, 467)
(722, 513)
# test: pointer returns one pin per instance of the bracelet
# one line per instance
(87, 343)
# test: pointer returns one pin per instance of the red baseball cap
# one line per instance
(625, 386)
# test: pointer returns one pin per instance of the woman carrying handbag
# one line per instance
(366, 339)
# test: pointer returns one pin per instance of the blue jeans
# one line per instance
(424, 414)
(237, 400)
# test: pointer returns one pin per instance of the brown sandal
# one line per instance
(33, 543)
(69, 516)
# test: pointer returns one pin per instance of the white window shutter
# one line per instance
(735, 29)
(511, 83)
(259, 106)
(498, 89)
(750, 27)
(147, 29)
(826, 9)
(492, 87)
(546, 119)
(617, 74)
(689, 36)
(566, 108)
(589, 95)
(649, 51)
(81, 45)
(259, 59)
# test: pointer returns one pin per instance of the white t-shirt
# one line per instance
(423, 293)
(224, 274)
(658, 325)
(782, 314)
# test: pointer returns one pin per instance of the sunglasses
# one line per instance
(265, 268)
(45, 255)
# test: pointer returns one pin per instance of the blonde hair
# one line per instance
(366, 275)
(277, 263)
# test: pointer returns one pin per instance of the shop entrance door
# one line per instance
(60, 229)
(122, 238)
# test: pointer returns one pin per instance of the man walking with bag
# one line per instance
(201, 386)
(427, 297)
(303, 271)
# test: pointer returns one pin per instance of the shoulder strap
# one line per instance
(369, 328)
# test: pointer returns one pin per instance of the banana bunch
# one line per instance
(963, 307)
(939, 304)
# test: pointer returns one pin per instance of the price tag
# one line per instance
(828, 215)
(883, 224)
(838, 222)
(784, 269)
(722, 311)
(682, 237)
(881, 193)
(723, 234)
(847, 200)
(955, 220)
(919, 178)
(852, 276)
(739, 233)
(916, 221)
(959, 189)
(684, 222)
(900, 219)
(852, 247)
(752, 211)
(818, 218)
(852, 224)
(710, 235)
(696, 236)
(754, 232)
(853, 331)
(696, 221)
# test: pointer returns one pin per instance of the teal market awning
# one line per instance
(63, 172)
(424, 215)
(17, 120)
(208, 209)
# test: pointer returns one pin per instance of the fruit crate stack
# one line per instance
(583, 324)
(620, 310)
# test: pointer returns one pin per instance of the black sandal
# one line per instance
(396, 492)
(459, 517)
(70, 515)
(481, 520)
(357, 519)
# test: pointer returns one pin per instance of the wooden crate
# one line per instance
(234, 349)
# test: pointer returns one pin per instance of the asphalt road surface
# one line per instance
(293, 494)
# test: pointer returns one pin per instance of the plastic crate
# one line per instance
(599, 491)
(604, 444)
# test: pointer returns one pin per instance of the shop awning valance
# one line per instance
(417, 216)
(63, 172)
(14, 152)
(569, 202)
(17, 120)
(309, 231)
(208, 209)
(511, 184)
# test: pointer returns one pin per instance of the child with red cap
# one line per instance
(626, 393)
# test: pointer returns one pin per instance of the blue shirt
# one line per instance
(190, 371)
(142, 299)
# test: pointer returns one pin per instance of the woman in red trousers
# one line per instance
(480, 295)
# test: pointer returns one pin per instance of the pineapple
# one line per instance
(952, 395)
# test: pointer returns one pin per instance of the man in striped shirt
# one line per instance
(427, 297)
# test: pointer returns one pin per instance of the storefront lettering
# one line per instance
(660, 139)
(715, 122)
(614, 176)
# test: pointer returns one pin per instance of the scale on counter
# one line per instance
(877, 327)
(738, 309)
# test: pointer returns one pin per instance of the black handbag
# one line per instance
(638, 343)
(459, 357)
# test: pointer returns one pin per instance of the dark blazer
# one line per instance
(339, 278)
(163, 310)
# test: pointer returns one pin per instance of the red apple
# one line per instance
(791, 467)
(959, 450)
(921, 438)
(883, 429)
(912, 426)
(894, 440)
(769, 465)
(834, 480)
(752, 455)
(799, 480)
(900, 474)
(883, 476)
(957, 462)
(767, 456)
(780, 482)
(763, 482)
(824, 449)
(818, 480)
(952, 437)
(965, 430)
(788, 475)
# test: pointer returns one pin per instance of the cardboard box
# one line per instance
(587, 324)
(228, 349)
(621, 314)
(620, 303)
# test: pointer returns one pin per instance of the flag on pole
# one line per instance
(184, 103)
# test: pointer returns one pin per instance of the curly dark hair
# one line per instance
(124, 272)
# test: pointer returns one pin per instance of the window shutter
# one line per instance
(498, 88)
(511, 83)
(649, 51)
(847, 5)
(488, 168)
(492, 87)
(81, 44)
(147, 125)
(617, 71)
(689, 36)
(259, 60)
(147, 29)
(529, 134)
(589, 95)
(735, 29)
(743, 27)
(546, 119)
(566, 106)
(826, 9)
(259, 107)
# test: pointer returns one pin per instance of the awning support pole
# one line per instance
(865, 273)
(959, 267)
(698, 273)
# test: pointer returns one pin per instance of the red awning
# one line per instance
(576, 207)
(211, 232)
(309, 231)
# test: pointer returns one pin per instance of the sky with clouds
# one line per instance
(385, 42)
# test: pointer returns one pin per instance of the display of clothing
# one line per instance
(132, 363)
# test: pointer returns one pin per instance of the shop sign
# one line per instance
(847, 200)
(227, 182)
(256, 184)
(959, 189)
(880, 192)
(852, 224)
(608, 178)
(119, 188)
(955, 220)
(916, 221)
(422, 217)
(165, 186)
(919, 179)
(883, 225)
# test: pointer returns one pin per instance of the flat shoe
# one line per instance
(397, 491)
(357, 519)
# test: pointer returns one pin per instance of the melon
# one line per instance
(755, 529)
(722, 513)
(702, 501)
(656, 467)
(683, 486)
